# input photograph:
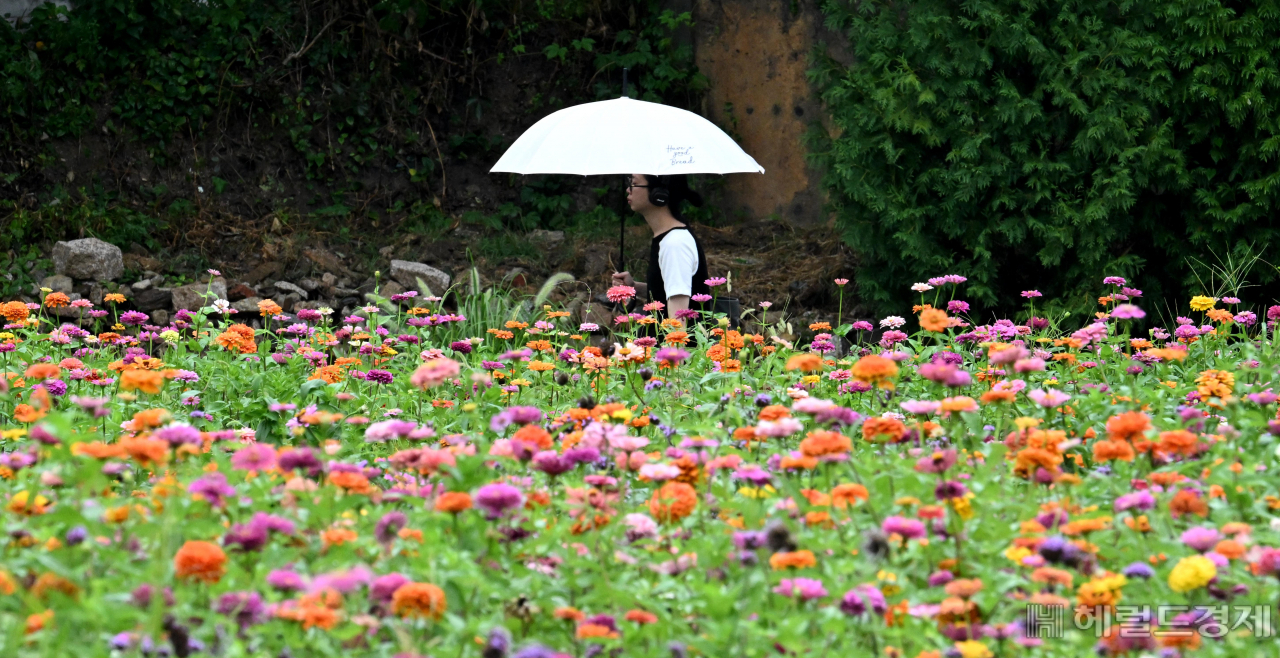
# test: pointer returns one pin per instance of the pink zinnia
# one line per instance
(254, 457)
(805, 588)
(618, 294)
(497, 498)
(434, 373)
(1049, 398)
(1128, 312)
(1201, 539)
(906, 528)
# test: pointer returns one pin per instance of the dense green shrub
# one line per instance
(404, 84)
(1047, 143)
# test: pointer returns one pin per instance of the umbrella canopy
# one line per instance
(625, 136)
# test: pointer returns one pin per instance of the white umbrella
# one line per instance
(625, 136)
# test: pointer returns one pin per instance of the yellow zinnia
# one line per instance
(1192, 573)
(1202, 303)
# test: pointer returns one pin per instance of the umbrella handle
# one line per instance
(624, 82)
(622, 243)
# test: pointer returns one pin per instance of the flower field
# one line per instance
(408, 481)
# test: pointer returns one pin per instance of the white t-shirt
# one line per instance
(677, 260)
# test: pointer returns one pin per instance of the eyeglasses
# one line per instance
(631, 186)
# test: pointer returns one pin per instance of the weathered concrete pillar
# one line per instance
(755, 53)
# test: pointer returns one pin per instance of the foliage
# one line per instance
(1036, 143)
(401, 86)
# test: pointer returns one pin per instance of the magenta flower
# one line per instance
(1139, 500)
(1048, 398)
(1128, 312)
(716, 281)
(254, 457)
(497, 498)
(841, 282)
(904, 527)
(938, 462)
(862, 598)
(805, 588)
(1032, 294)
(1201, 538)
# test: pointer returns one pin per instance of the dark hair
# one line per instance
(678, 192)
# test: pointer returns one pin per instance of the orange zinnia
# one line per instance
(674, 501)
(1128, 426)
(453, 502)
(201, 560)
(847, 494)
(934, 319)
(877, 427)
(792, 560)
(875, 369)
(805, 363)
(419, 600)
(147, 381)
(823, 442)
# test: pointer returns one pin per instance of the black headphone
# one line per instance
(659, 195)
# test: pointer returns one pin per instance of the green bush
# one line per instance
(1048, 143)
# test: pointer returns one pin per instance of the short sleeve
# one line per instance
(678, 261)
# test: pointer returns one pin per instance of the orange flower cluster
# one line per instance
(876, 370)
(421, 600)
(237, 338)
(672, 502)
(14, 311)
(200, 560)
(821, 443)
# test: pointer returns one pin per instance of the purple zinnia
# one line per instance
(862, 598)
(133, 318)
(495, 499)
(213, 488)
(245, 607)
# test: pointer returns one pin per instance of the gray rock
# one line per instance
(545, 239)
(329, 279)
(96, 293)
(88, 258)
(160, 317)
(309, 285)
(288, 302)
(287, 287)
(192, 296)
(58, 283)
(141, 285)
(391, 288)
(408, 273)
(247, 305)
(153, 299)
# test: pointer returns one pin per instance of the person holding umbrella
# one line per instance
(677, 264)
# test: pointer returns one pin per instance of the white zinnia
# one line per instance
(922, 287)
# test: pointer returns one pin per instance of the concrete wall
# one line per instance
(15, 10)
(755, 54)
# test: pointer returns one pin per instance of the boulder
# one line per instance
(152, 299)
(192, 296)
(88, 258)
(160, 317)
(408, 273)
(248, 305)
(290, 288)
(141, 285)
(240, 291)
(58, 283)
